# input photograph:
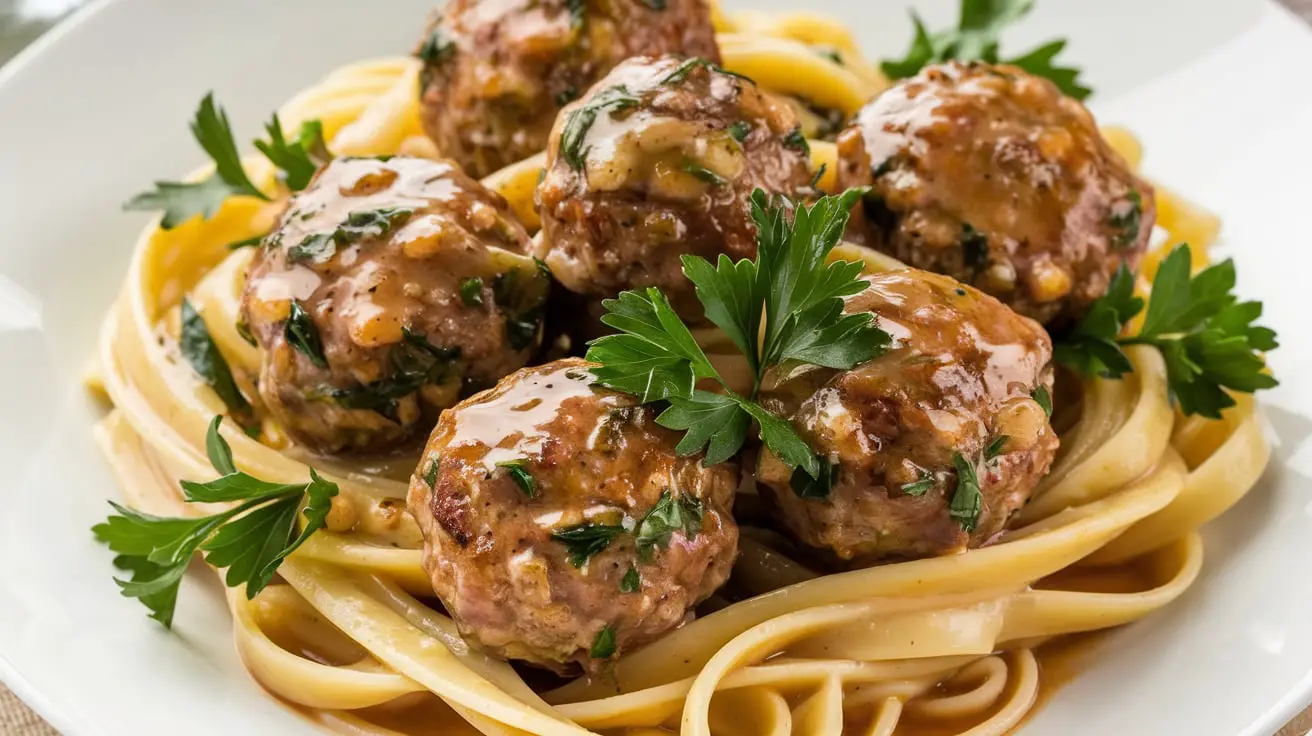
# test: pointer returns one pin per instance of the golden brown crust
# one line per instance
(492, 98)
(959, 375)
(376, 253)
(664, 177)
(593, 456)
(992, 176)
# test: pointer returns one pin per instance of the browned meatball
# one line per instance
(561, 527)
(660, 160)
(497, 71)
(390, 288)
(955, 390)
(991, 175)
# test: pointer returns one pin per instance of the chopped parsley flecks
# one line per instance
(996, 447)
(567, 95)
(670, 515)
(796, 140)
(967, 501)
(430, 475)
(603, 646)
(920, 486)
(702, 173)
(361, 224)
(974, 247)
(586, 540)
(412, 363)
(303, 335)
(806, 486)
(574, 133)
(471, 292)
(680, 72)
(1043, 398)
(437, 48)
(631, 582)
(518, 472)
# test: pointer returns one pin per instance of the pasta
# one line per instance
(950, 643)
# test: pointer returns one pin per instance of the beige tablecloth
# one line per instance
(17, 720)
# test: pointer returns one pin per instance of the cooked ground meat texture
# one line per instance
(389, 289)
(513, 483)
(957, 381)
(496, 72)
(992, 176)
(657, 161)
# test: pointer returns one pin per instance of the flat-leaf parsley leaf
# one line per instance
(298, 158)
(1205, 334)
(249, 540)
(967, 501)
(583, 541)
(682, 514)
(200, 350)
(180, 201)
(976, 38)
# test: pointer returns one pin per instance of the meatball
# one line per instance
(390, 288)
(660, 160)
(496, 73)
(954, 394)
(992, 176)
(560, 525)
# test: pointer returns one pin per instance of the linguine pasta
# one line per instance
(946, 644)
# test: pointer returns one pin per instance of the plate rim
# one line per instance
(1282, 711)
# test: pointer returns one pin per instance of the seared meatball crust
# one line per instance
(657, 161)
(389, 289)
(991, 175)
(496, 72)
(509, 472)
(957, 381)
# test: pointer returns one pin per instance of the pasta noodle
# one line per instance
(948, 641)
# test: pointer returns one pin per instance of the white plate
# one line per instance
(99, 108)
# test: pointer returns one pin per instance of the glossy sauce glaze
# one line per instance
(389, 289)
(496, 73)
(957, 378)
(546, 452)
(657, 161)
(991, 175)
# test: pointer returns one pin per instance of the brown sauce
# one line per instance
(1060, 662)
(421, 714)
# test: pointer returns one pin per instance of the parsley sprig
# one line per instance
(1203, 331)
(249, 540)
(976, 38)
(200, 350)
(789, 296)
(298, 159)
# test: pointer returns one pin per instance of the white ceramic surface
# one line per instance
(1218, 90)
